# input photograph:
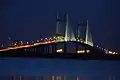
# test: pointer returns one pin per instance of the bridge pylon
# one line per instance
(69, 35)
(59, 36)
(88, 39)
(78, 31)
(58, 24)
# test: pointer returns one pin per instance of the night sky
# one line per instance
(32, 19)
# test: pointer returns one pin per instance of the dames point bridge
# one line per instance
(64, 44)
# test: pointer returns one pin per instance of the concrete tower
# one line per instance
(88, 39)
(58, 24)
(69, 35)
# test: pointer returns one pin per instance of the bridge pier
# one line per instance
(54, 48)
(77, 47)
(47, 48)
(42, 49)
(50, 48)
(65, 47)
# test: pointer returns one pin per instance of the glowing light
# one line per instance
(106, 51)
(116, 53)
(54, 37)
(15, 44)
(41, 39)
(81, 51)
(46, 39)
(36, 43)
(78, 40)
(87, 51)
(28, 45)
(37, 40)
(73, 39)
(110, 52)
(21, 42)
(59, 50)
(113, 53)
(81, 41)
(50, 38)
(97, 46)
(53, 77)
(27, 42)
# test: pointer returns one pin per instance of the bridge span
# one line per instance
(63, 45)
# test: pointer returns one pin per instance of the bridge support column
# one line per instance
(77, 47)
(50, 49)
(46, 48)
(42, 49)
(54, 48)
(65, 47)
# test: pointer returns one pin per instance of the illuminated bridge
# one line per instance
(61, 45)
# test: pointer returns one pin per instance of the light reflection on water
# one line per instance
(57, 78)
(86, 69)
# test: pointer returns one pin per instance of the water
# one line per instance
(69, 68)
(56, 78)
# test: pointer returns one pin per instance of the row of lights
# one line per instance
(107, 51)
(22, 43)
(111, 52)
(83, 51)
(60, 50)
(45, 39)
(79, 51)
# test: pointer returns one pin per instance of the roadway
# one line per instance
(28, 45)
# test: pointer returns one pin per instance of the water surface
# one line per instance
(62, 67)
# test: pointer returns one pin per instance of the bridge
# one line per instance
(59, 43)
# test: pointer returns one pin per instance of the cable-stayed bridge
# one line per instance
(59, 43)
